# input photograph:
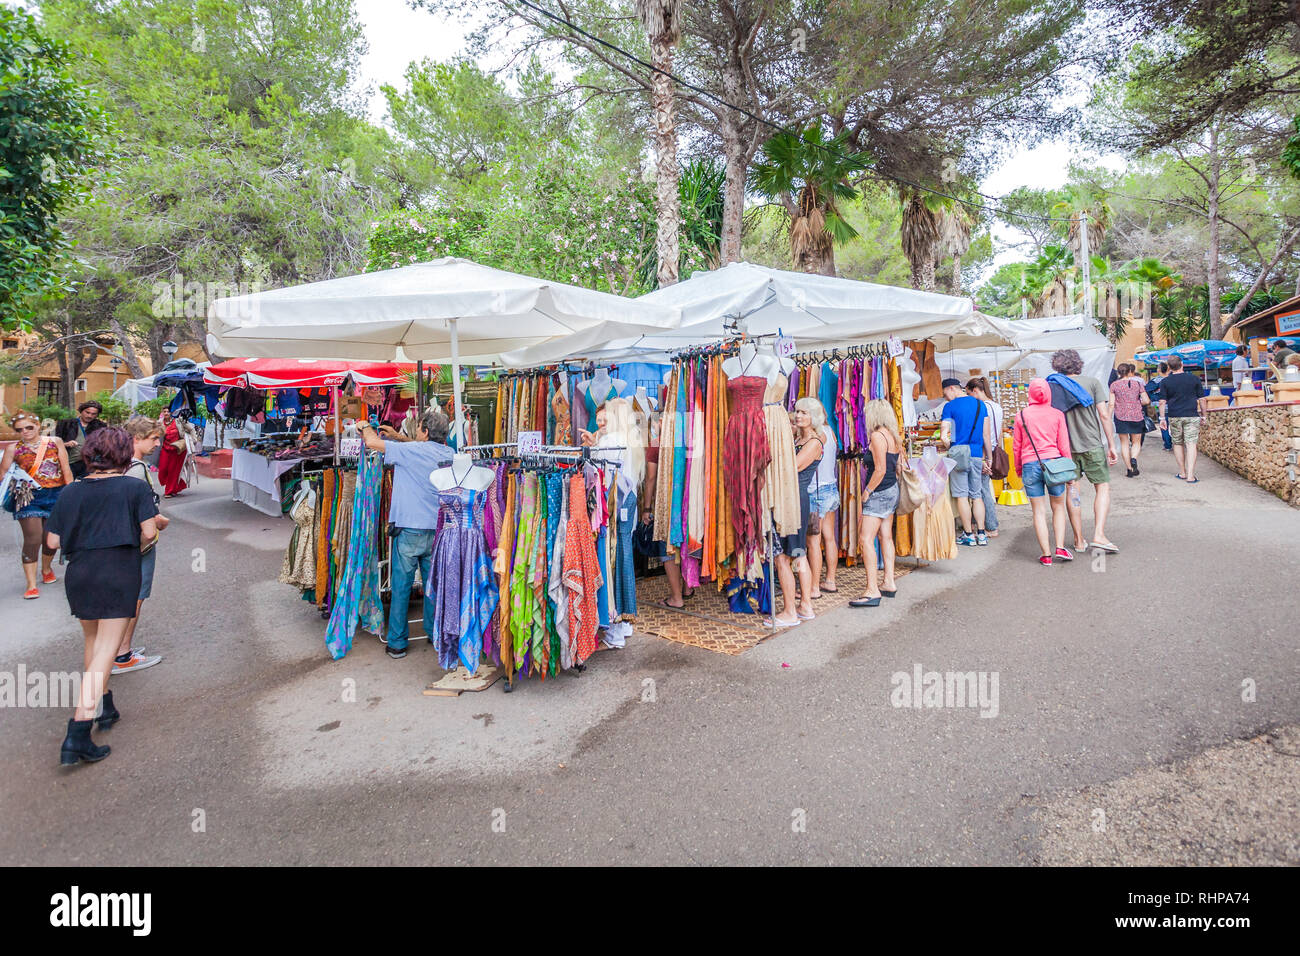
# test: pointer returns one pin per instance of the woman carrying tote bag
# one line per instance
(1040, 445)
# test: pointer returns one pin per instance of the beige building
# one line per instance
(44, 379)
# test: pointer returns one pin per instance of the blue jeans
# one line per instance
(412, 548)
(990, 505)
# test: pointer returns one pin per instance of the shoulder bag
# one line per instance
(999, 463)
(21, 483)
(1056, 471)
(910, 493)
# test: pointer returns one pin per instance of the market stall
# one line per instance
(437, 311)
(867, 342)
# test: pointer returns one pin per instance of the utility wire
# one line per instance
(556, 18)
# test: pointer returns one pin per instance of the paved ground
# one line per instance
(792, 752)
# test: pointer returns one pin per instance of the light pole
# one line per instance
(117, 364)
(26, 380)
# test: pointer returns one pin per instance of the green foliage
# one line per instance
(1291, 152)
(115, 411)
(1003, 292)
(154, 407)
(48, 132)
(45, 409)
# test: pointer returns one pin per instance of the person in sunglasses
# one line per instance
(40, 470)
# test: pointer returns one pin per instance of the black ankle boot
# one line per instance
(78, 745)
(108, 714)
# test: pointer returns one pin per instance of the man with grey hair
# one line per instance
(1092, 442)
(412, 514)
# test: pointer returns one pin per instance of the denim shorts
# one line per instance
(881, 503)
(148, 561)
(967, 479)
(1031, 476)
(825, 499)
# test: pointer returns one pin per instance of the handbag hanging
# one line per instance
(910, 493)
(1065, 469)
(21, 483)
(999, 462)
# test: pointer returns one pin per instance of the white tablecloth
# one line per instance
(255, 480)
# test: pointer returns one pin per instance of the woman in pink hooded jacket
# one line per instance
(1039, 436)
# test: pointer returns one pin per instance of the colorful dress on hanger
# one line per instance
(781, 484)
(581, 576)
(460, 579)
(745, 456)
(357, 600)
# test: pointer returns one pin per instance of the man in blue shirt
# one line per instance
(413, 512)
(965, 429)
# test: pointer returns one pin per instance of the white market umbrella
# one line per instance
(1035, 341)
(428, 311)
(816, 310)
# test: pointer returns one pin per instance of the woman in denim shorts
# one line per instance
(1040, 436)
(824, 499)
(880, 498)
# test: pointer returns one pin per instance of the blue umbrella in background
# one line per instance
(1205, 353)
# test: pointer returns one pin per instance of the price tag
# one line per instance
(530, 443)
(350, 448)
(784, 346)
(895, 345)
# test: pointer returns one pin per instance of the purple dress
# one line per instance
(461, 581)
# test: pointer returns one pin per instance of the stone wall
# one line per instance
(1261, 443)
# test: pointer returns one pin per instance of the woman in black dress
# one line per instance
(100, 522)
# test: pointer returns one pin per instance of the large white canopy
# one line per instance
(408, 313)
(817, 311)
(1035, 341)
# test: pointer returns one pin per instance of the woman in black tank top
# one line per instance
(879, 500)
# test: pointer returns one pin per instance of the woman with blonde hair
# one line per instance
(824, 501)
(879, 498)
(34, 470)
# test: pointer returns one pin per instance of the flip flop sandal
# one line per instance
(1181, 477)
(1108, 548)
(826, 590)
(672, 607)
(865, 602)
(780, 624)
(1193, 481)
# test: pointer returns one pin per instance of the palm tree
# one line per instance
(1047, 280)
(662, 20)
(1155, 282)
(919, 233)
(1075, 201)
(955, 224)
(809, 175)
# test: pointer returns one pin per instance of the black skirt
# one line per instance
(103, 583)
(1123, 427)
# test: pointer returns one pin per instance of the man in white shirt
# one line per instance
(1240, 367)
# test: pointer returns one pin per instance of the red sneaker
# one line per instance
(1045, 560)
(31, 594)
(48, 577)
(1063, 555)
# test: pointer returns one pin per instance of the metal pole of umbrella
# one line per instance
(338, 428)
(419, 387)
(455, 383)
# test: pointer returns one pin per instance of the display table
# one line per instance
(255, 480)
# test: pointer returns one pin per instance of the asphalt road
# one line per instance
(243, 746)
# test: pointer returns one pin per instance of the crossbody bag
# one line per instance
(1056, 471)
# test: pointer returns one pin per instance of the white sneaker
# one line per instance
(138, 662)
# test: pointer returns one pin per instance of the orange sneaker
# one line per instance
(48, 577)
(31, 594)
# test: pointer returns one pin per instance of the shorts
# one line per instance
(1129, 428)
(147, 562)
(1184, 431)
(967, 479)
(825, 500)
(881, 503)
(1031, 476)
(42, 503)
(1092, 465)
